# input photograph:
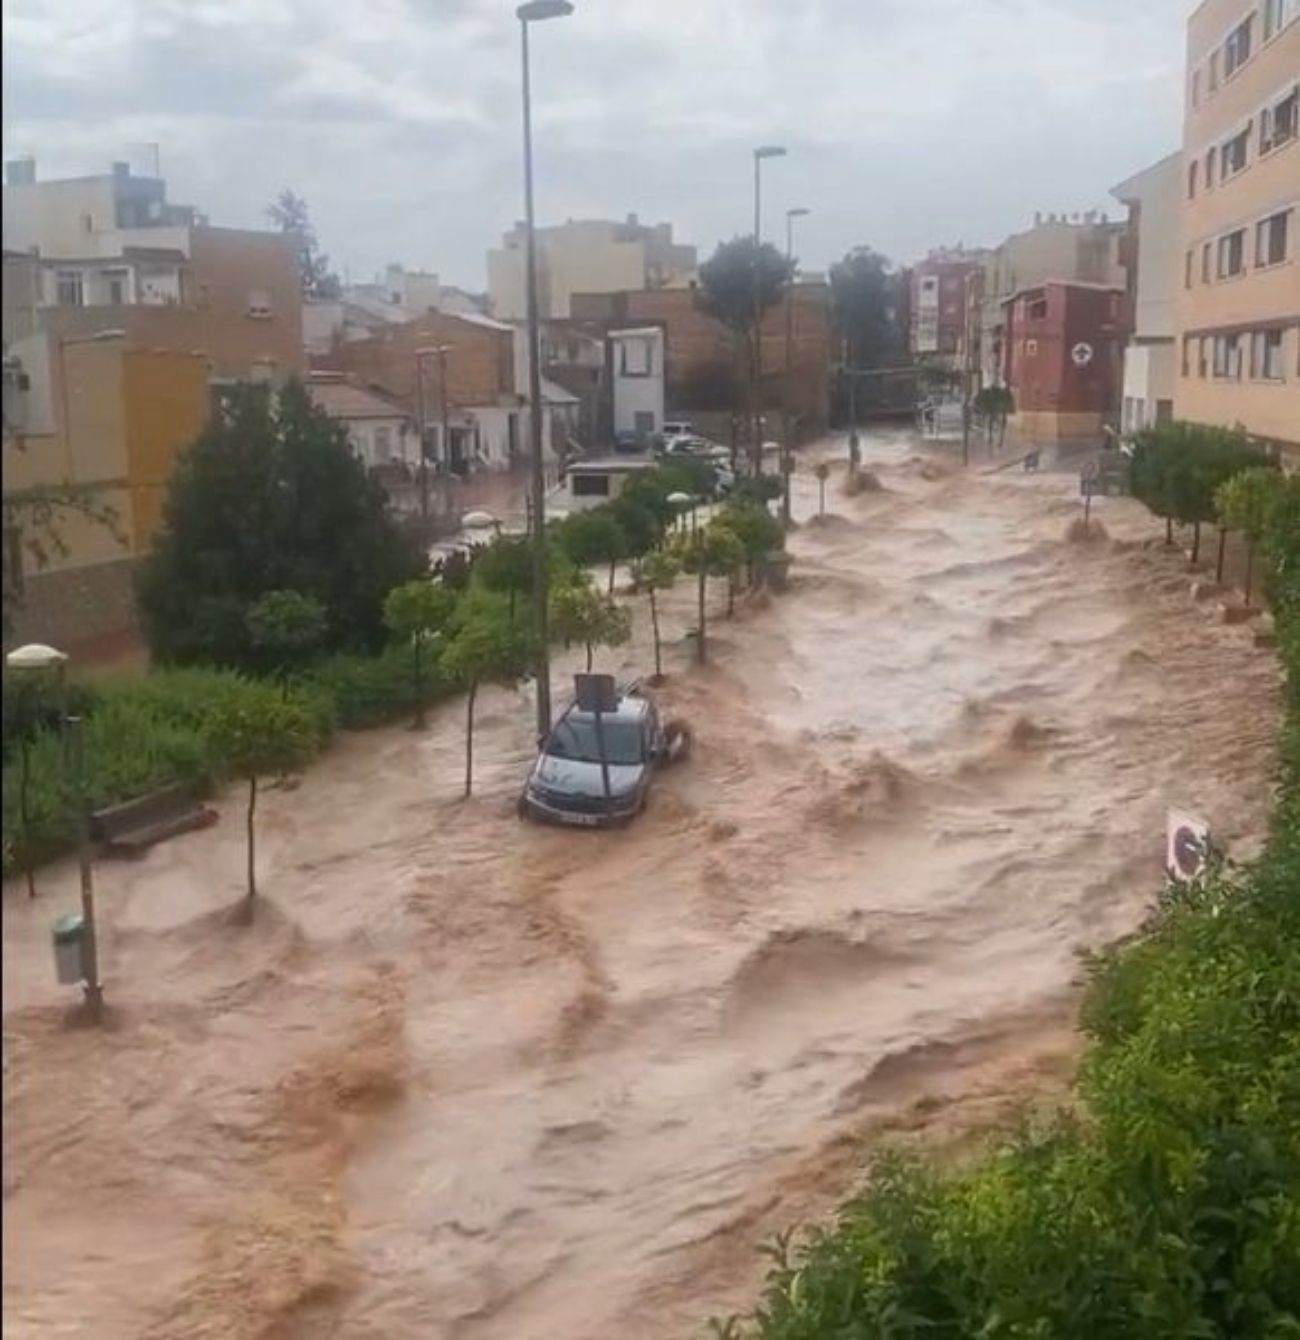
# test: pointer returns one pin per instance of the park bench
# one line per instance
(136, 825)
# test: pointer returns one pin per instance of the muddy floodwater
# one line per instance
(466, 1079)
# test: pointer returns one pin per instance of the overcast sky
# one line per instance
(909, 122)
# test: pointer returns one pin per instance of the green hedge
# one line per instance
(1169, 1206)
(372, 690)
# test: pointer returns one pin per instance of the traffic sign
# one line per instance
(1082, 354)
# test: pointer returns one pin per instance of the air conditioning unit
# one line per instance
(1188, 847)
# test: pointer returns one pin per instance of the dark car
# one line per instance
(567, 784)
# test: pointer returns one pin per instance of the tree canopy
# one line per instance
(727, 285)
(290, 215)
(270, 498)
(866, 306)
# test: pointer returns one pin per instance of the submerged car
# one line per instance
(569, 784)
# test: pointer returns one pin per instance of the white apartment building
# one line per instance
(1154, 200)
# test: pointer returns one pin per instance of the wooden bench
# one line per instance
(136, 825)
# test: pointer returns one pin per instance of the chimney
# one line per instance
(20, 172)
(121, 169)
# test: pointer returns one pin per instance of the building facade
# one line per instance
(940, 306)
(585, 256)
(1063, 359)
(636, 378)
(1152, 251)
(1239, 295)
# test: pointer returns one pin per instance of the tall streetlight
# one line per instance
(37, 658)
(763, 152)
(788, 463)
(535, 11)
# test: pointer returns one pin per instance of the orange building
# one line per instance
(1239, 301)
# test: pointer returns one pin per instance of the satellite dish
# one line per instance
(1188, 847)
(1081, 354)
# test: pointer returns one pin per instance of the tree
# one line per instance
(1244, 503)
(581, 614)
(417, 612)
(505, 567)
(594, 538)
(866, 309)
(287, 626)
(657, 571)
(260, 734)
(758, 531)
(270, 498)
(712, 551)
(738, 283)
(486, 649)
(994, 405)
(290, 215)
(823, 472)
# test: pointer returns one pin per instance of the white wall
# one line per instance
(1149, 375)
(365, 435)
(1159, 250)
(634, 394)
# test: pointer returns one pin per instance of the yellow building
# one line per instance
(107, 418)
(1239, 298)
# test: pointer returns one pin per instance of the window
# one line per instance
(1236, 152)
(115, 287)
(1206, 253)
(1192, 170)
(1202, 357)
(1266, 355)
(1196, 88)
(1227, 357)
(1232, 254)
(635, 357)
(69, 289)
(1271, 239)
(1036, 310)
(1031, 348)
(1214, 70)
(1209, 169)
(1164, 411)
(1188, 341)
(1277, 14)
(259, 303)
(1236, 50)
(383, 444)
(589, 486)
(1189, 269)
(1280, 123)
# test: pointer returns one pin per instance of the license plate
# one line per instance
(582, 820)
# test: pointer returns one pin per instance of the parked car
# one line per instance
(678, 428)
(567, 784)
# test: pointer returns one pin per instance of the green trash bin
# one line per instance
(69, 943)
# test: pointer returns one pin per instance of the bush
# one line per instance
(1168, 1208)
(366, 691)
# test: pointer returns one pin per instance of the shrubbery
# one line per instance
(1170, 1205)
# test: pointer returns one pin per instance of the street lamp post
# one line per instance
(535, 11)
(787, 463)
(764, 151)
(37, 657)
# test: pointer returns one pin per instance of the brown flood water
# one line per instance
(469, 1079)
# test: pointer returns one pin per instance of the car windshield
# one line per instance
(575, 738)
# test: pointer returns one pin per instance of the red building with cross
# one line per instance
(1063, 358)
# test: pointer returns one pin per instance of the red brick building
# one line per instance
(1063, 358)
(706, 369)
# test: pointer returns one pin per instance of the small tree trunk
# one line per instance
(821, 497)
(701, 650)
(1196, 543)
(1223, 553)
(613, 564)
(1002, 432)
(1169, 531)
(589, 657)
(731, 594)
(654, 624)
(24, 812)
(252, 841)
(1250, 568)
(469, 739)
(416, 668)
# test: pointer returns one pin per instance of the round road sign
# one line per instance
(1082, 354)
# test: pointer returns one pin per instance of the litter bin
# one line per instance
(69, 940)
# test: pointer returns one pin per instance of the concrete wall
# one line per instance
(1263, 297)
(59, 217)
(1149, 380)
(640, 391)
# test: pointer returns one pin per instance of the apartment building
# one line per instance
(942, 293)
(1151, 253)
(585, 256)
(1239, 300)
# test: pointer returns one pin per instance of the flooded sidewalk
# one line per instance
(467, 1079)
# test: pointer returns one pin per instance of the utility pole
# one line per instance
(424, 450)
(443, 351)
(535, 11)
(762, 152)
(787, 455)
